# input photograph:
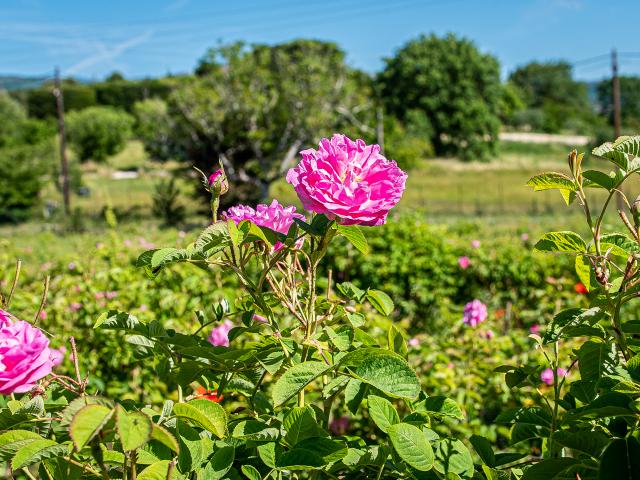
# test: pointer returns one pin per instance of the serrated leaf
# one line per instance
(163, 436)
(484, 449)
(354, 235)
(390, 374)
(300, 423)
(251, 472)
(382, 412)
(156, 471)
(412, 446)
(134, 428)
(566, 242)
(380, 301)
(295, 379)
(13, 440)
(550, 181)
(220, 463)
(209, 415)
(37, 451)
(443, 406)
(571, 317)
(87, 423)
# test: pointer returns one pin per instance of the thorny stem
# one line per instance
(82, 384)
(43, 300)
(14, 285)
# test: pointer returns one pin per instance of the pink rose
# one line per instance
(214, 175)
(348, 180)
(75, 306)
(475, 243)
(489, 334)
(464, 262)
(219, 336)
(25, 356)
(475, 312)
(259, 318)
(414, 342)
(57, 355)
(534, 328)
(273, 216)
(547, 375)
(340, 425)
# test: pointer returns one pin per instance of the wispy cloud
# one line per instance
(107, 54)
(176, 5)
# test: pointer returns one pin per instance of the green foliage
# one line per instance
(454, 85)
(154, 127)
(98, 132)
(554, 100)
(257, 107)
(629, 101)
(166, 202)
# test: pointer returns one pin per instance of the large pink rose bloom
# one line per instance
(25, 356)
(348, 180)
(273, 216)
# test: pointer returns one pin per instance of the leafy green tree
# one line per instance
(12, 114)
(629, 101)
(98, 132)
(549, 88)
(154, 126)
(257, 107)
(457, 88)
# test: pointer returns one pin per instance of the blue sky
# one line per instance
(141, 38)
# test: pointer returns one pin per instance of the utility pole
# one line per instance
(64, 163)
(615, 86)
(617, 122)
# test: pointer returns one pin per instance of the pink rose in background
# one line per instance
(340, 425)
(534, 329)
(475, 312)
(524, 237)
(273, 216)
(348, 180)
(219, 336)
(43, 315)
(57, 355)
(547, 375)
(259, 318)
(475, 243)
(75, 306)
(489, 334)
(72, 266)
(25, 356)
(111, 295)
(464, 262)
(414, 342)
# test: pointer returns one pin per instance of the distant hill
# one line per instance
(15, 82)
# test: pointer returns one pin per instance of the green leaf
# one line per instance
(251, 472)
(354, 394)
(452, 456)
(87, 423)
(567, 242)
(300, 423)
(295, 379)
(602, 179)
(300, 459)
(531, 416)
(621, 460)
(114, 320)
(328, 449)
(484, 450)
(354, 234)
(382, 412)
(585, 272)
(254, 430)
(13, 440)
(37, 451)
(380, 301)
(548, 469)
(390, 374)
(620, 152)
(412, 446)
(550, 181)
(165, 256)
(134, 428)
(590, 442)
(396, 341)
(163, 436)
(209, 415)
(213, 239)
(220, 463)
(571, 317)
(442, 406)
(596, 359)
(155, 471)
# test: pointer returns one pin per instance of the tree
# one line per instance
(552, 96)
(457, 88)
(257, 107)
(629, 101)
(12, 114)
(98, 132)
(154, 126)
